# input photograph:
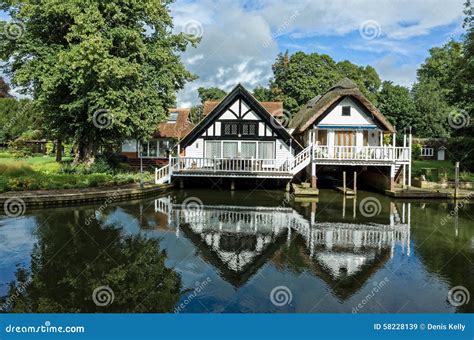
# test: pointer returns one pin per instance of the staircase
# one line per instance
(162, 175)
(301, 160)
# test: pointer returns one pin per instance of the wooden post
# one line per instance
(355, 182)
(409, 156)
(344, 182)
(456, 180)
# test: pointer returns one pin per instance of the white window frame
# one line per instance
(427, 152)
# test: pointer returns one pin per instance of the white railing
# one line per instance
(228, 164)
(367, 153)
(301, 158)
(162, 174)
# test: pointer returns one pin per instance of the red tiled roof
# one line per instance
(177, 130)
(274, 108)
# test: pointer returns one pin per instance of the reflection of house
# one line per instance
(156, 150)
(239, 240)
(432, 148)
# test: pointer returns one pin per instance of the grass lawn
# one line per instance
(442, 166)
(43, 172)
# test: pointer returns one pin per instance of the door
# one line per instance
(345, 143)
(440, 154)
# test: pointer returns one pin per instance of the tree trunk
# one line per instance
(85, 152)
(59, 150)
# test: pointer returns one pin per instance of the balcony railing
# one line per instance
(190, 164)
(362, 153)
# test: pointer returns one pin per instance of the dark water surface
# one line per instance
(212, 251)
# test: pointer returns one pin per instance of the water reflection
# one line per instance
(153, 253)
(238, 240)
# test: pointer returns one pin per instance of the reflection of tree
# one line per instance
(69, 262)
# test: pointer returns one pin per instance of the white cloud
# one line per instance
(238, 36)
(389, 69)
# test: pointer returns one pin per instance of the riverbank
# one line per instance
(42, 198)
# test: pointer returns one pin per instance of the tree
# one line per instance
(300, 77)
(64, 279)
(262, 94)
(205, 94)
(431, 119)
(17, 118)
(100, 71)
(397, 104)
(4, 89)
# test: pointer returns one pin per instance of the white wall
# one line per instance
(357, 117)
(196, 149)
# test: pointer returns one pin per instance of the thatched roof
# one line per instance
(274, 108)
(178, 129)
(319, 105)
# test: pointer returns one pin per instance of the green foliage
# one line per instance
(62, 279)
(262, 94)
(416, 150)
(205, 94)
(300, 77)
(432, 110)
(461, 150)
(397, 104)
(44, 172)
(82, 58)
(17, 118)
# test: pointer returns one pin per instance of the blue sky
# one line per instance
(241, 38)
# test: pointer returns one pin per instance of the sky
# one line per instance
(240, 39)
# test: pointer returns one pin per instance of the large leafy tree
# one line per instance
(17, 118)
(99, 71)
(205, 94)
(397, 104)
(432, 110)
(300, 77)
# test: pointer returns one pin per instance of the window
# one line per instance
(213, 149)
(427, 152)
(173, 117)
(322, 137)
(346, 110)
(248, 149)
(230, 149)
(266, 150)
(249, 129)
(230, 129)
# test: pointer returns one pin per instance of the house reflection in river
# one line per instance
(238, 240)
